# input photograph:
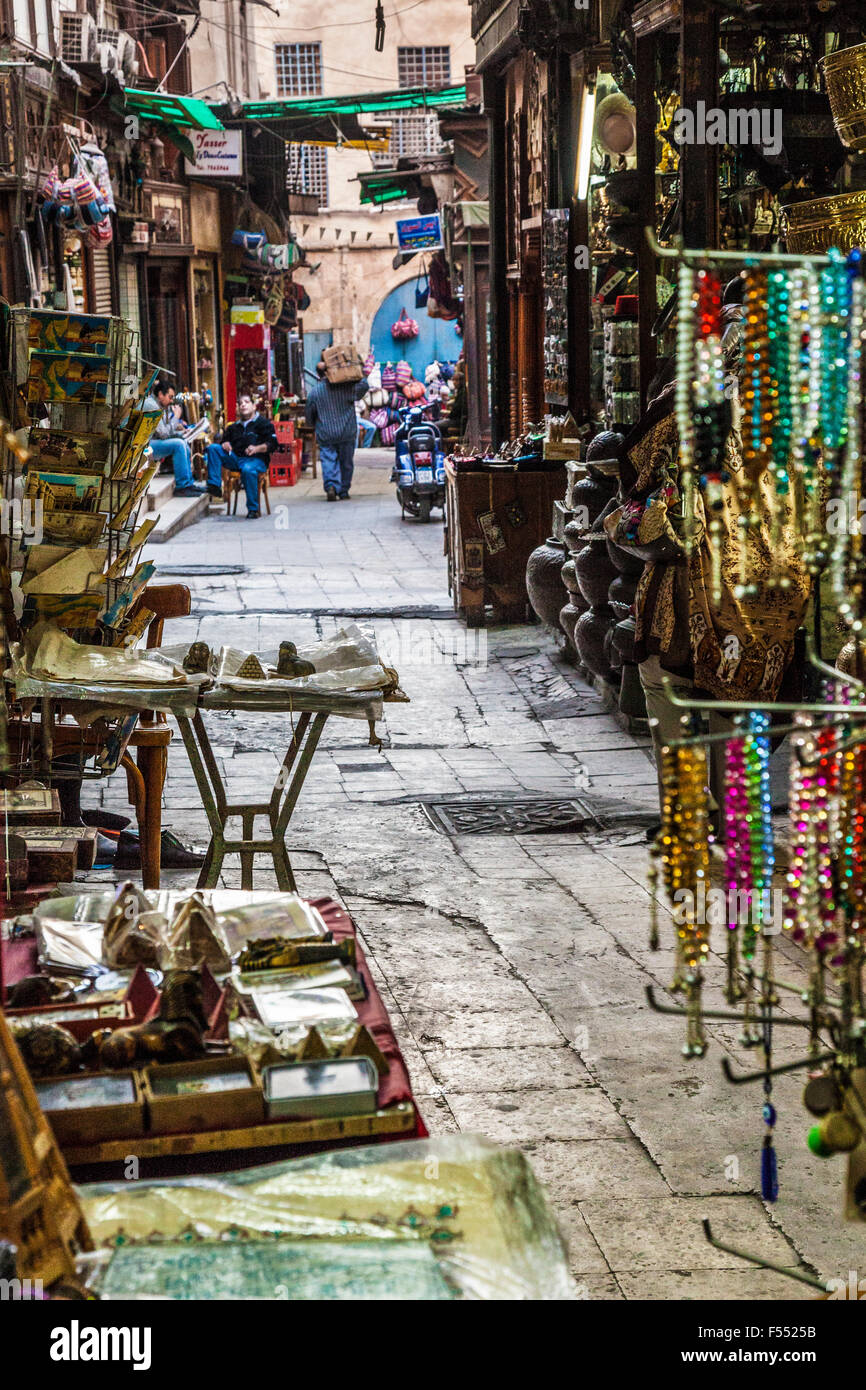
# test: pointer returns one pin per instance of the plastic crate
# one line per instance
(284, 470)
(285, 431)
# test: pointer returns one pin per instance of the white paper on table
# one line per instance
(58, 657)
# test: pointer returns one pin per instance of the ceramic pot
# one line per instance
(620, 595)
(632, 700)
(590, 632)
(622, 640)
(591, 495)
(594, 571)
(611, 654)
(575, 537)
(544, 580)
(625, 563)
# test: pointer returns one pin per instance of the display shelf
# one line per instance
(396, 1119)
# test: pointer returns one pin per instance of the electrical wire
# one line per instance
(159, 12)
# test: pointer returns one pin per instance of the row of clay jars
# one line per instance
(595, 572)
(589, 497)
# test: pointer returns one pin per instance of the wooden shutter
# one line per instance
(100, 280)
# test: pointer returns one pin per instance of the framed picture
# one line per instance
(167, 223)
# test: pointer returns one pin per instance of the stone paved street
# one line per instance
(514, 965)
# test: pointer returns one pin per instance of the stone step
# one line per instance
(176, 514)
(160, 491)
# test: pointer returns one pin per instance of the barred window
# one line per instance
(299, 74)
(424, 67)
(299, 69)
(307, 171)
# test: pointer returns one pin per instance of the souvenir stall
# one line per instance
(764, 527)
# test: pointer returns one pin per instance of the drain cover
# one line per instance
(503, 817)
(202, 569)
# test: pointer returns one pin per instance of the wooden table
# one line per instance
(307, 714)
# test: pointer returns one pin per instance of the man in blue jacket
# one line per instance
(246, 447)
(331, 409)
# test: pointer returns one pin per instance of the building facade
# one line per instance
(311, 51)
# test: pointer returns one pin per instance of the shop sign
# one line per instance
(218, 153)
(419, 233)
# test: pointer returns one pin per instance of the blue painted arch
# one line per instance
(437, 340)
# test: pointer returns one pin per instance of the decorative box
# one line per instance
(91, 1107)
(306, 1090)
(217, 1093)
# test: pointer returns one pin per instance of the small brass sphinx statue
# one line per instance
(197, 658)
(290, 665)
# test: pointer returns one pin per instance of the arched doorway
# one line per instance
(437, 340)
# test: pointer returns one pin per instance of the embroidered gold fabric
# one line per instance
(740, 649)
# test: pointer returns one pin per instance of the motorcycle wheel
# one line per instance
(424, 505)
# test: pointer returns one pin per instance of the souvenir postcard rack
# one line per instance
(803, 338)
(74, 469)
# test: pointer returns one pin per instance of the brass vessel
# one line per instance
(845, 75)
(815, 226)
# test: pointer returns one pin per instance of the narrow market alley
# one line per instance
(514, 962)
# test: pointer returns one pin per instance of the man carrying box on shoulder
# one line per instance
(331, 409)
(246, 448)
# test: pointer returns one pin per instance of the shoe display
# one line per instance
(331, 494)
(105, 820)
(173, 854)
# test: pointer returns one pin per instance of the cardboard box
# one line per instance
(342, 363)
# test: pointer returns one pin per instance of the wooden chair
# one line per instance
(232, 484)
(307, 435)
(145, 778)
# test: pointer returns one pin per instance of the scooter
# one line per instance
(419, 465)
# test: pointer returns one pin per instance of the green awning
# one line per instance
(388, 186)
(171, 110)
(314, 108)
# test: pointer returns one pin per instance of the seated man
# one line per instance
(167, 440)
(246, 447)
(366, 428)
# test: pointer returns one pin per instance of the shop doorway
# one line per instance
(438, 339)
(168, 318)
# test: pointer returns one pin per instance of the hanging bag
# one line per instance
(422, 291)
(404, 328)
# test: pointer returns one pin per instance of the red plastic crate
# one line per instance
(285, 431)
(284, 470)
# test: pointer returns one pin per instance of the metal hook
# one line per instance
(832, 671)
(762, 1263)
(716, 1013)
(746, 1076)
(693, 256)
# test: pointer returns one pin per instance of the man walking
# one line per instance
(246, 448)
(331, 409)
(167, 440)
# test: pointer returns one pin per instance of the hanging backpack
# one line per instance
(389, 376)
(403, 373)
